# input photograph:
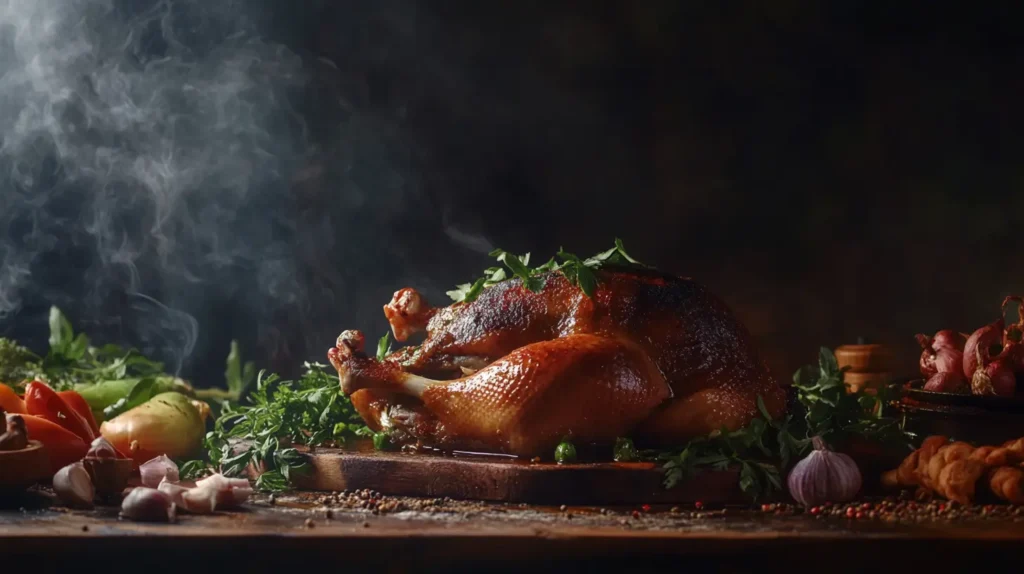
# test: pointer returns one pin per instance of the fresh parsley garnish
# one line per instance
(761, 450)
(579, 272)
(384, 346)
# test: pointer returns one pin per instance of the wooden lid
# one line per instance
(864, 358)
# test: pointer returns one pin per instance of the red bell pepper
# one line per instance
(42, 401)
(62, 446)
(10, 401)
(78, 404)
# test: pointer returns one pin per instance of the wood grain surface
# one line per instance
(295, 531)
(507, 480)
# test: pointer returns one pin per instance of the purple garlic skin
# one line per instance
(824, 476)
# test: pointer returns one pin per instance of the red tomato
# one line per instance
(62, 446)
(42, 401)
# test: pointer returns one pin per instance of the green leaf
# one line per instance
(384, 346)
(467, 292)
(193, 469)
(827, 362)
(622, 251)
(234, 373)
(60, 329)
(271, 481)
(235, 465)
(764, 410)
(141, 392)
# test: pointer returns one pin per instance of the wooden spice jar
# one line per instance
(870, 366)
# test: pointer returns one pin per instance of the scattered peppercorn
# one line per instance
(698, 505)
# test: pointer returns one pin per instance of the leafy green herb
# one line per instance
(580, 272)
(624, 450)
(565, 452)
(307, 411)
(766, 447)
(754, 449)
(72, 362)
(236, 375)
(836, 414)
(17, 363)
(384, 346)
(518, 264)
(193, 469)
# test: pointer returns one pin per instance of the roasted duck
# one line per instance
(650, 356)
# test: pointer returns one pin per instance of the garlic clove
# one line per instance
(158, 469)
(73, 486)
(200, 500)
(101, 448)
(145, 504)
(231, 492)
(173, 491)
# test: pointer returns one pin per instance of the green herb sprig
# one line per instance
(765, 449)
(280, 413)
(579, 272)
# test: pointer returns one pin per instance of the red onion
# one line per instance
(981, 345)
(949, 360)
(927, 362)
(824, 476)
(948, 339)
(101, 448)
(948, 382)
(155, 470)
(1013, 347)
(994, 378)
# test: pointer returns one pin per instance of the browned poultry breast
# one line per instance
(650, 356)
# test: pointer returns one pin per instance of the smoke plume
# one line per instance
(146, 154)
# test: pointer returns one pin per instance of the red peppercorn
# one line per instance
(866, 506)
(815, 510)
(859, 515)
(850, 512)
(636, 514)
(698, 505)
(646, 508)
(942, 508)
(765, 507)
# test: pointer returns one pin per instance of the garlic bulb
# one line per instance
(824, 476)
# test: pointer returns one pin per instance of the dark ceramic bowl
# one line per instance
(914, 390)
(973, 418)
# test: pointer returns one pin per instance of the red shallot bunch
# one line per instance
(989, 362)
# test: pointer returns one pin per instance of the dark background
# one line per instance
(832, 170)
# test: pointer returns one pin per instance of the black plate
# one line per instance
(1007, 404)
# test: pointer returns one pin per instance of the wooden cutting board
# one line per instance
(508, 480)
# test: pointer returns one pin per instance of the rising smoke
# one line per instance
(146, 155)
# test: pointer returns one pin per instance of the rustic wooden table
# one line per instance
(369, 532)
